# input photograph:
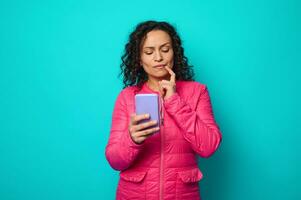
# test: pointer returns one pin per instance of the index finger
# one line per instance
(172, 74)
(136, 118)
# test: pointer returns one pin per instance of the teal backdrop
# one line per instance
(59, 64)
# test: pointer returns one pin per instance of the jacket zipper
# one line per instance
(162, 148)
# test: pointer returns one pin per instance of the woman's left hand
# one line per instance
(168, 88)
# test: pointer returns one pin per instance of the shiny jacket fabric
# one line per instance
(164, 166)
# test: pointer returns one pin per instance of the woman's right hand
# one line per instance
(139, 132)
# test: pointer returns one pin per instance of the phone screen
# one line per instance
(148, 104)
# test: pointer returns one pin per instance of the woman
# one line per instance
(161, 165)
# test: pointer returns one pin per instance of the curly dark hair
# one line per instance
(133, 73)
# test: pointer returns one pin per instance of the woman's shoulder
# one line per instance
(190, 86)
(129, 91)
(125, 94)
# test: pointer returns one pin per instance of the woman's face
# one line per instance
(156, 52)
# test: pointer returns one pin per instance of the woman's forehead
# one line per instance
(156, 38)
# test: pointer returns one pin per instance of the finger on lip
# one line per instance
(167, 67)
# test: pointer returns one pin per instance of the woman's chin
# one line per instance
(160, 76)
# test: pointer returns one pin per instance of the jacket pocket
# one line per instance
(132, 185)
(187, 186)
(191, 175)
(133, 176)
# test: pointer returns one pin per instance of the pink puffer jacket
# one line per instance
(165, 165)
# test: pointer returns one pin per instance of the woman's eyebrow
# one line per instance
(160, 45)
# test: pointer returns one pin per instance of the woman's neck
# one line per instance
(154, 83)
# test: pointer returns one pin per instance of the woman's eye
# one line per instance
(165, 50)
(148, 53)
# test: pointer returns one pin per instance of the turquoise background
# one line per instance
(59, 63)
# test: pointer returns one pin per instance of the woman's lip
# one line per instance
(159, 66)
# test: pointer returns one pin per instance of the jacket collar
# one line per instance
(147, 89)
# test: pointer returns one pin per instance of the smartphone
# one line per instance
(148, 104)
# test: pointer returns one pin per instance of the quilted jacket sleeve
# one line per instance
(198, 126)
(121, 150)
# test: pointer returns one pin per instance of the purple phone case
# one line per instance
(148, 103)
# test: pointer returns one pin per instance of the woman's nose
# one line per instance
(157, 56)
